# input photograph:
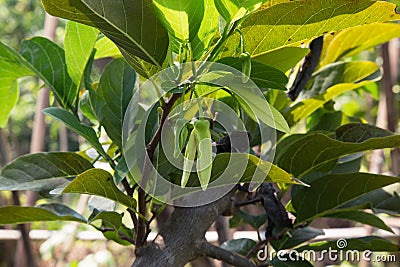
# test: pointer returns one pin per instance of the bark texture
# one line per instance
(182, 238)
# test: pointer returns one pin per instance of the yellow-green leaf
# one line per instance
(99, 182)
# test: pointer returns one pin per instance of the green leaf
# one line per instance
(340, 72)
(79, 42)
(332, 191)
(286, 261)
(233, 10)
(361, 217)
(263, 76)
(250, 96)
(372, 243)
(42, 171)
(112, 97)
(314, 150)
(99, 182)
(42, 213)
(128, 24)
(385, 200)
(47, 59)
(9, 93)
(106, 48)
(306, 107)
(74, 124)
(181, 18)
(359, 132)
(240, 246)
(109, 218)
(85, 105)
(207, 31)
(344, 44)
(12, 67)
(256, 169)
(39, 57)
(296, 237)
(241, 218)
(283, 58)
(121, 171)
(256, 221)
(295, 22)
(116, 235)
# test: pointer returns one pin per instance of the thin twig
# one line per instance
(143, 228)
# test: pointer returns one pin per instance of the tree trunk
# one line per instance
(182, 238)
(387, 110)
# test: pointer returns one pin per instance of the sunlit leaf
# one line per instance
(99, 182)
(294, 22)
(344, 44)
(42, 213)
(42, 171)
(128, 24)
(79, 42)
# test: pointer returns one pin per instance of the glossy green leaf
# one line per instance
(359, 132)
(41, 213)
(112, 97)
(74, 124)
(48, 61)
(296, 237)
(99, 182)
(250, 96)
(42, 171)
(283, 58)
(386, 200)
(311, 152)
(361, 217)
(306, 107)
(372, 243)
(128, 24)
(233, 10)
(240, 246)
(207, 31)
(344, 44)
(12, 67)
(181, 18)
(106, 48)
(295, 22)
(256, 168)
(340, 72)
(39, 57)
(79, 42)
(263, 76)
(109, 218)
(332, 191)
(85, 105)
(121, 171)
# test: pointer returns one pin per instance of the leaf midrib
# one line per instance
(123, 33)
